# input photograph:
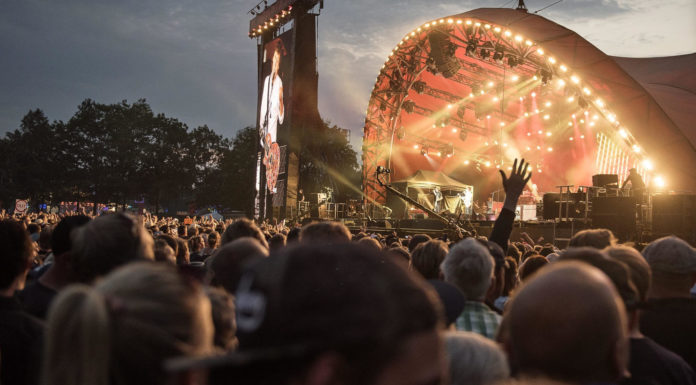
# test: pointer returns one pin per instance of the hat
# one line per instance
(671, 255)
(313, 298)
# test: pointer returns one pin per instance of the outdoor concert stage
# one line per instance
(464, 95)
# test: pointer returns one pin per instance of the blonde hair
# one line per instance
(122, 330)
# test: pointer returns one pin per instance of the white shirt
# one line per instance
(272, 107)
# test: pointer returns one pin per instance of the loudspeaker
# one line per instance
(617, 214)
(675, 214)
(576, 206)
(602, 180)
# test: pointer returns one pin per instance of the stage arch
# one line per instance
(468, 93)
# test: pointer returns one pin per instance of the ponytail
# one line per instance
(77, 345)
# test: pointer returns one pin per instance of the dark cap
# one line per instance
(671, 255)
(313, 298)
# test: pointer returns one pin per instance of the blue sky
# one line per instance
(193, 60)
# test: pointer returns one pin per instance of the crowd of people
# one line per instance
(118, 299)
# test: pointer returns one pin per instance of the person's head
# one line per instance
(108, 242)
(325, 232)
(16, 255)
(222, 304)
(213, 239)
(400, 255)
(122, 330)
(45, 238)
(276, 61)
(568, 323)
(531, 265)
(469, 266)
(416, 240)
(673, 265)
(164, 253)
(61, 243)
(227, 264)
(427, 257)
(370, 242)
(475, 360)
(277, 242)
(293, 236)
(243, 228)
(638, 267)
(197, 243)
(362, 320)
(596, 238)
(511, 276)
(183, 257)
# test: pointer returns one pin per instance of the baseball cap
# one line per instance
(671, 255)
(313, 298)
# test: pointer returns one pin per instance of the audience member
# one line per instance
(469, 266)
(531, 265)
(325, 232)
(277, 242)
(670, 317)
(225, 267)
(475, 360)
(121, 331)
(223, 315)
(567, 323)
(595, 238)
(108, 242)
(243, 228)
(37, 296)
(427, 257)
(20, 333)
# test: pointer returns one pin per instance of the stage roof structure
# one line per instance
(425, 178)
(466, 93)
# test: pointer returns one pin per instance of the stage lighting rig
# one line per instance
(418, 86)
(471, 47)
(461, 111)
(408, 106)
(498, 55)
(424, 151)
(449, 150)
(382, 170)
(546, 76)
(513, 61)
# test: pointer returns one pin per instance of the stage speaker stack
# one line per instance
(617, 214)
(674, 215)
(604, 180)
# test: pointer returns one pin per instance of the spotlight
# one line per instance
(463, 135)
(449, 150)
(486, 49)
(408, 106)
(513, 61)
(424, 151)
(498, 55)
(401, 133)
(383, 106)
(419, 86)
(546, 76)
(471, 48)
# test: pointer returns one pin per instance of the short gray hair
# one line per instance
(475, 360)
(469, 266)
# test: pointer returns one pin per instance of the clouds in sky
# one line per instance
(193, 60)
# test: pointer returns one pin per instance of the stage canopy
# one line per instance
(468, 93)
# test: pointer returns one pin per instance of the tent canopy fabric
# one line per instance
(425, 178)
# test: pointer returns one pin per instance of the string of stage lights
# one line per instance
(553, 102)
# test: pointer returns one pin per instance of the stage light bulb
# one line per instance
(415, 146)
(595, 117)
(508, 33)
(547, 104)
(548, 133)
(495, 142)
(586, 91)
(505, 144)
(660, 182)
(612, 118)
(468, 22)
(582, 120)
(488, 164)
(648, 164)
(449, 106)
(515, 78)
(575, 79)
(497, 166)
(488, 116)
(571, 99)
(459, 21)
(450, 21)
(540, 132)
(582, 136)
(518, 38)
(427, 25)
(497, 29)
(535, 77)
(563, 68)
(539, 171)
(502, 124)
(540, 51)
(592, 124)
(488, 26)
(529, 43)
(547, 117)
(495, 98)
(491, 84)
(550, 149)
(534, 94)
(526, 114)
(477, 24)
(528, 148)
(509, 168)
(552, 60)
(623, 133)
(536, 111)
(419, 29)
(439, 153)
(599, 102)
(571, 138)
(485, 144)
(636, 148)
(538, 147)
(466, 162)
(454, 130)
(570, 124)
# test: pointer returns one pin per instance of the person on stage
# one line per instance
(438, 199)
(637, 184)
(272, 111)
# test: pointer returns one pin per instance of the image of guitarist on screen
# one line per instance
(272, 113)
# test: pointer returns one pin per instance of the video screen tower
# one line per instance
(286, 36)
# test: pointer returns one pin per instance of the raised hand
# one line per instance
(514, 184)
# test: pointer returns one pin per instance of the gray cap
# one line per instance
(671, 255)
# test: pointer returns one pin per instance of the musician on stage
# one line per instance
(637, 184)
(438, 199)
